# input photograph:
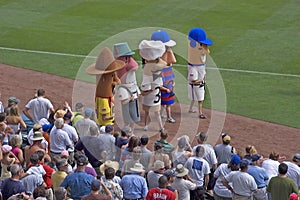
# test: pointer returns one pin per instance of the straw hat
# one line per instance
(37, 136)
(138, 167)
(107, 164)
(181, 170)
(151, 50)
(59, 114)
(105, 63)
(158, 164)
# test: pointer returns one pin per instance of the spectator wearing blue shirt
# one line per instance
(79, 182)
(134, 185)
(260, 176)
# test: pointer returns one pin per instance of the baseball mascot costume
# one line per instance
(152, 51)
(167, 90)
(197, 50)
(128, 91)
(106, 79)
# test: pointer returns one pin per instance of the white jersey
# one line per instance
(271, 167)
(153, 98)
(293, 172)
(40, 107)
(198, 168)
(220, 189)
(196, 73)
(242, 183)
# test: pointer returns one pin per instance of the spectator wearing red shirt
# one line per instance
(160, 192)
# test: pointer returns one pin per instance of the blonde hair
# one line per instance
(14, 111)
(16, 141)
(250, 149)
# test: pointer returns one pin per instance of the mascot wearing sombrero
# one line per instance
(197, 51)
(152, 51)
(106, 79)
(128, 91)
(167, 90)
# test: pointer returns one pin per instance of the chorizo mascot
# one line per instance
(106, 78)
(167, 90)
(152, 51)
(197, 50)
(128, 91)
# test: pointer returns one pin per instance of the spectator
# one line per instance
(198, 171)
(294, 169)
(38, 127)
(12, 101)
(134, 185)
(243, 185)
(79, 182)
(129, 163)
(40, 107)
(168, 148)
(161, 192)
(159, 155)
(37, 139)
(209, 156)
(78, 113)
(109, 142)
(220, 191)
(250, 150)
(88, 169)
(15, 121)
(114, 188)
(183, 151)
(4, 129)
(8, 159)
(83, 125)
(35, 167)
(128, 151)
(171, 174)
(13, 185)
(60, 193)
(95, 189)
(155, 174)
(183, 183)
(112, 164)
(92, 146)
(39, 193)
(271, 165)
(16, 143)
(59, 139)
(71, 131)
(224, 151)
(281, 187)
(260, 176)
(60, 174)
(122, 141)
(146, 153)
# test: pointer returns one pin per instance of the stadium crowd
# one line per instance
(66, 155)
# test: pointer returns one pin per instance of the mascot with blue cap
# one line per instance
(197, 50)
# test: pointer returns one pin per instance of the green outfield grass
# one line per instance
(261, 36)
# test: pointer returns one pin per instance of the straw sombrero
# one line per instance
(109, 163)
(105, 63)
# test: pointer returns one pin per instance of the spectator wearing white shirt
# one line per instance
(294, 169)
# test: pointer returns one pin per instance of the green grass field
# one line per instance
(256, 36)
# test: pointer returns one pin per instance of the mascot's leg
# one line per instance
(158, 117)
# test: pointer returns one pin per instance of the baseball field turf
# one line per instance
(256, 51)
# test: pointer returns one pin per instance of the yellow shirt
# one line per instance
(103, 107)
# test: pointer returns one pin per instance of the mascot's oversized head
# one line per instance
(124, 53)
(105, 68)
(198, 46)
(164, 37)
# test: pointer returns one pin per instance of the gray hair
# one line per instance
(59, 123)
(200, 151)
(14, 169)
(94, 130)
(60, 193)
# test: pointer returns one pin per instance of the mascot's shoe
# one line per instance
(201, 116)
(146, 128)
(192, 111)
(171, 120)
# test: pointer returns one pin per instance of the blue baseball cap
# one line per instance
(235, 159)
(199, 35)
(164, 37)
